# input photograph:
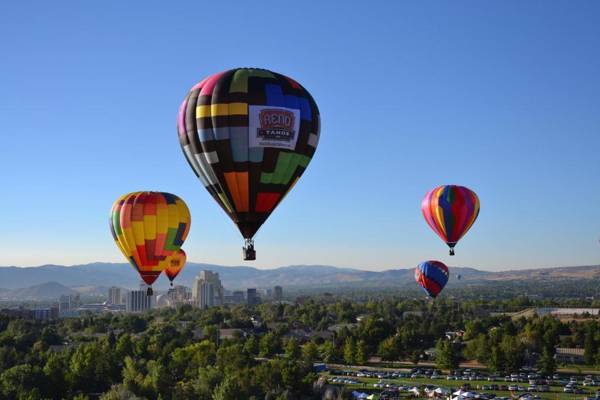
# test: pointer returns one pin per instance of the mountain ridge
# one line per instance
(99, 274)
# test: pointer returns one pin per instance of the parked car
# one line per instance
(512, 388)
(532, 388)
(543, 388)
(568, 389)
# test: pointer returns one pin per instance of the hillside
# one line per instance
(44, 291)
(49, 280)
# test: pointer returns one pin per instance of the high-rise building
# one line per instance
(45, 314)
(138, 301)
(237, 297)
(278, 293)
(206, 297)
(114, 296)
(67, 304)
(252, 297)
(180, 294)
(207, 290)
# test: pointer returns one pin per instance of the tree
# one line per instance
(251, 345)
(54, 370)
(90, 369)
(446, 355)
(389, 349)
(514, 352)
(310, 352)
(18, 381)
(547, 363)
(497, 362)
(226, 390)
(291, 349)
(186, 361)
(269, 344)
(124, 346)
(360, 356)
(327, 352)
(349, 350)
(119, 392)
(590, 347)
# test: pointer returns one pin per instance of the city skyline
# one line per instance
(501, 99)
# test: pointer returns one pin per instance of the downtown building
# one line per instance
(180, 294)
(138, 300)
(252, 297)
(278, 293)
(115, 296)
(68, 305)
(207, 290)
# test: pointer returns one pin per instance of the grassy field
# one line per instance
(556, 392)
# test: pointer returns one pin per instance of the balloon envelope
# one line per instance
(450, 211)
(175, 264)
(148, 228)
(432, 276)
(248, 134)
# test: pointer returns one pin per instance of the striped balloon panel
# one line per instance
(432, 276)
(248, 180)
(450, 211)
(175, 264)
(148, 228)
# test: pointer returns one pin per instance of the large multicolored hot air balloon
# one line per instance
(248, 134)
(149, 228)
(175, 265)
(432, 276)
(450, 211)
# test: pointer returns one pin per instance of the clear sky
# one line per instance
(502, 97)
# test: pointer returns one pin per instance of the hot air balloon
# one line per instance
(432, 276)
(249, 135)
(148, 228)
(175, 265)
(450, 211)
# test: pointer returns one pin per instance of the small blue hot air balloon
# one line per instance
(432, 276)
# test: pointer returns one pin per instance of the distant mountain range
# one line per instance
(51, 281)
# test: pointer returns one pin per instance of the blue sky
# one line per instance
(502, 97)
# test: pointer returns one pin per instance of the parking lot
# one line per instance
(468, 384)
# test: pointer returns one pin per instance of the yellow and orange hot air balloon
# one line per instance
(175, 265)
(149, 228)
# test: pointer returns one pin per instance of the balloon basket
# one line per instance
(248, 251)
(149, 292)
(451, 252)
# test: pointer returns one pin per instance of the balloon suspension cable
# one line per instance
(149, 292)
(248, 250)
(451, 251)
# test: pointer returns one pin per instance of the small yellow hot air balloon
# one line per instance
(175, 265)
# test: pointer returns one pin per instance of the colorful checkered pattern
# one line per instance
(149, 228)
(247, 180)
